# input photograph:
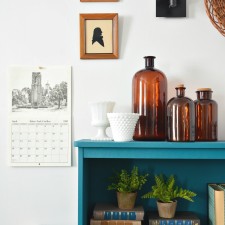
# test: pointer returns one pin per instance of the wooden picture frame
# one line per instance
(99, 0)
(99, 36)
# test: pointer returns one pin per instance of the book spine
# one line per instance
(216, 199)
(117, 215)
(211, 204)
(114, 222)
(222, 186)
(174, 222)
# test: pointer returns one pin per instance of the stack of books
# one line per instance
(216, 204)
(109, 214)
(180, 218)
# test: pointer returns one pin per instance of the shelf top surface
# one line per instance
(151, 150)
(149, 144)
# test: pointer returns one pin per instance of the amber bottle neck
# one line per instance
(180, 92)
(149, 62)
(204, 95)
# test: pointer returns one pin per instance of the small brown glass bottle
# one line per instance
(180, 117)
(206, 114)
(149, 100)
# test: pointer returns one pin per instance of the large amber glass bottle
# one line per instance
(149, 100)
(206, 114)
(181, 117)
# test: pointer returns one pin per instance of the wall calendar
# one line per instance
(40, 116)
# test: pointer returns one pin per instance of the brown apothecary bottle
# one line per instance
(181, 117)
(206, 116)
(149, 98)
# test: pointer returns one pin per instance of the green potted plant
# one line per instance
(126, 184)
(166, 193)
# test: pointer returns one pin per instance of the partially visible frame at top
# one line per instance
(99, 0)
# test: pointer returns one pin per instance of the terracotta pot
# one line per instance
(126, 200)
(167, 210)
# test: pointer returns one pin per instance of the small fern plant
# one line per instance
(127, 182)
(166, 190)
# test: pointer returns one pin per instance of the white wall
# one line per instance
(46, 32)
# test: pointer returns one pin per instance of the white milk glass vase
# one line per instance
(99, 112)
(123, 125)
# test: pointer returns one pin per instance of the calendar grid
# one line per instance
(40, 143)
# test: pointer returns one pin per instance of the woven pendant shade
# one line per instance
(216, 12)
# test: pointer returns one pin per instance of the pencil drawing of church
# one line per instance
(40, 97)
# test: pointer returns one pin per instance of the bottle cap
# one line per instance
(180, 86)
(204, 89)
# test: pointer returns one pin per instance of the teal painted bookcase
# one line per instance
(194, 164)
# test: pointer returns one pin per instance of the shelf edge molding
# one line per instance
(152, 150)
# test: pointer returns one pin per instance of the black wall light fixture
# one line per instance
(172, 3)
(170, 8)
